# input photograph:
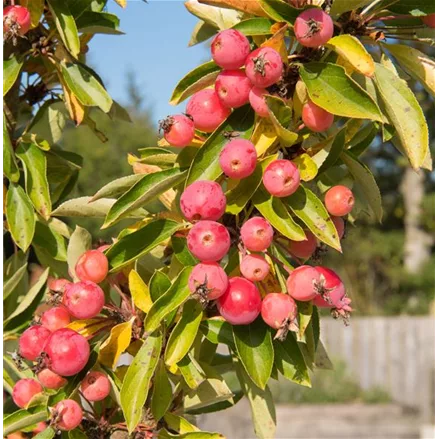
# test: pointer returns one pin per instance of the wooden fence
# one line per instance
(393, 353)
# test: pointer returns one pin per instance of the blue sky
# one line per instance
(154, 47)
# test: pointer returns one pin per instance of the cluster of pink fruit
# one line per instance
(238, 299)
(59, 351)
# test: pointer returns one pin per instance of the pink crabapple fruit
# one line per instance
(233, 88)
(230, 49)
(238, 159)
(95, 386)
(179, 130)
(254, 267)
(58, 285)
(279, 311)
(24, 390)
(206, 110)
(281, 178)
(339, 200)
(302, 283)
(208, 280)
(84, 300)
(257, 234)
(264, 67)
(32, 342)
(339, 225)
(257, 101)
(304, 249)
(68, 414)
(203, 200)
(41, 426)
(55, 318)
(208, 241)
(313, 28)
(16, 19)
(103, 248)
(51, 380)
(241, 303)
(316, 118)
(92, 266)
(66, 352)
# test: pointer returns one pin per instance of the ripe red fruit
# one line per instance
(316, 118)
(103, 248)
(264, 67)
(233, 88)
(92, 266)
(24, 390)
(55, 318)
(16, 19)
(95, 386)
(178, 130)
(238, 159)
(304, 249)
(339, 200)
(254, 267)
(257, 101)
(281, 178)
(429, 20)
(51, 380)
(279, 311)
(241, 303)
(208, 241)
(84, 300)
(68, 414)
(313, 28)
(208, 280)
(41, 426)
(58, 285)
(207, 110)
(339, 225)
(67, 352)
(32, 342)
(302, 283)
(230, 49)
(257, 234)
(203, 200)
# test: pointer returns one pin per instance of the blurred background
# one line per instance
(382, 381)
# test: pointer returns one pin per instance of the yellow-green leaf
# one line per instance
(116, 344)
(139, 291)
(11, 69)
(88, 327)
(307, 167)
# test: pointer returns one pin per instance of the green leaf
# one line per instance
(65, 24)
(135, 385)
(261, 405)
(20, 215)
(254, 26)
(77, 434)
(206, 164)
(11, 69)
(178, 423)
(163, 434)
(172, 299)
(307, 206)
(191, 371)
(182, 253)
(366, 181)
(85, 86)
(117, 187)
(98, 23)
(329, 155)
(49, 433)
(290, 362)
(352, 51)
(201, 32)
(129, 248)
(196, 80)
(184, 332)
(255, 350)
(162, 392)
(322, 360)
(274, 211)
(304, 314)
(217, 330)
(281, 116)
(36, 8)
(30, 298)
(10, 168)
(10, 284)
(144, 191)
(332, 89)
(340, 6)
(51, 241)
(280, 11)
(21, 419)
(79, 243)
(35, 171)
(158, 285)
(405, 114)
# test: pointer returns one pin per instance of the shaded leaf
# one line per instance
(280, 11)
(202, 32)
(117, 187)
(281, 116)
(11, 69)
(51, 241)
(98, 23)
(162, 392)
(181, 252)
(158, 285)
(217, 330)
(191, 371)
(10, 168)
(10, 284)
(79, 243)
(180, 424)
(328, 156)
